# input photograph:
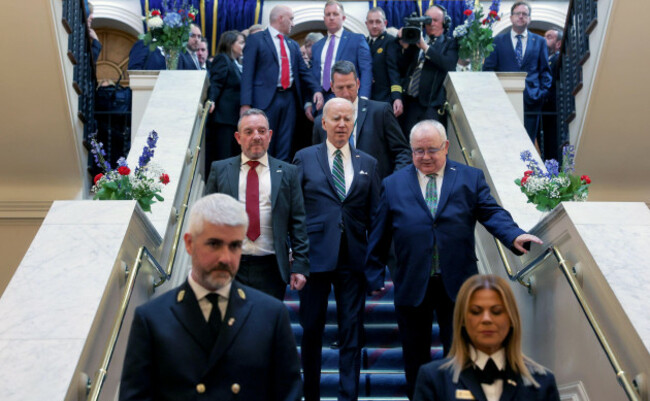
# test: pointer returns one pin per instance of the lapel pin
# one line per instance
(512, 382)
(357, 156)
(241, 293)
(363, 172)
(231, 321)
(278, 171)
(180, 296)
(452, 168)
(380, 50)
(464, 395)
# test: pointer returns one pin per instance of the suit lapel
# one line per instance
(470, 382)
(275, 169)
(321, 154)
(531, 42)
(233, 176)
(355, 158)
(448, 181)
(510, 385)
(271, 46)
(187, 311)
(345, 36)
(236, 314)
(414, 184)
(362, 112)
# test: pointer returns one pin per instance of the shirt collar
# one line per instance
(264, 160)
(200, 292)
(440, 173)
(345, 150)
(274, 32)
(338, 33)
(514, 34)
(480, 358)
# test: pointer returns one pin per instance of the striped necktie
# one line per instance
(519, 50)
(338, 174)
(432, 202)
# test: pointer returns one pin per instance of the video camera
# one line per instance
(412, 30)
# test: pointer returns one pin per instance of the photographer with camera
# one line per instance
(429, 54)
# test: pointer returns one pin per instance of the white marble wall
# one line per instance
(48, 308)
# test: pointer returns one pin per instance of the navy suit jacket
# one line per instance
(259, 80)
(535, 63)
(327, 217)
(169, 350)
(378, 134)
(353, 48)
(435, 384)
(403, 217)
(225, 89)
(287, 208)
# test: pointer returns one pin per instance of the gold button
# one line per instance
(200, 388)
(235, 388)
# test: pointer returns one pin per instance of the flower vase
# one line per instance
(171, 58)
(477, 59)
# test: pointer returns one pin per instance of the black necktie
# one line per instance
(489, 373)
(214, 321)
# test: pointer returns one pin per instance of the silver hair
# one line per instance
(313, 37)
(438, 127)
(252, 112)
(217, 209)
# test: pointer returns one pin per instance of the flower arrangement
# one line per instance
(547, 190)
(475, 35)
(143, 185)
(169, 28)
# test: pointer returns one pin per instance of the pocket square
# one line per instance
(278, 171)
(363, 172)
(464, 395)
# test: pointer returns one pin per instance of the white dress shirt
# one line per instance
(323, 54)
(423, 180)
(524, 39)
(206, 306)
(492, 391)
(263, 245)
(347, 162)
(276, 42)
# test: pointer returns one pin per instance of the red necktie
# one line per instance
(284, 78)
(253, 201)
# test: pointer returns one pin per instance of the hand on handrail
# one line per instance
(521, 240)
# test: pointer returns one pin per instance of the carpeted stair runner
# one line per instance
(382, 367)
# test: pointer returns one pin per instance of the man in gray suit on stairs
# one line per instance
(270, 189)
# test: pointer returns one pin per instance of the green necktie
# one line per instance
(338, 174)
(432, 202)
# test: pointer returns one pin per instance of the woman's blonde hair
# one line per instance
(459, 354)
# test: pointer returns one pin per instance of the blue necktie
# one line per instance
(519, 50)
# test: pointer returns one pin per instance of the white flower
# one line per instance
(155, 22)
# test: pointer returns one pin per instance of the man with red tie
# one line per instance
(270, 189)
(275, 79)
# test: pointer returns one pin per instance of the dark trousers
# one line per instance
(262, 273)
(414, 112)
(531, 122)
(415, 324)
(220, 144)
(282, 120)
(350, 295)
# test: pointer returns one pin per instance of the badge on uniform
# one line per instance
(464, 395)
(241, 293)
(380, 50)
(180, 296)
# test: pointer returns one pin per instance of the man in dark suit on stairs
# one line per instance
(429, 210)
(341, 187)
(270, 189)
(375, 130)
(212, 338)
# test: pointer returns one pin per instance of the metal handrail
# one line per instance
(165, 274)
(531, 267)
(188, 189)
(100, 376)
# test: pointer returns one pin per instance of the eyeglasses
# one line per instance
(195, 35)
(431, 151)
(521, 14)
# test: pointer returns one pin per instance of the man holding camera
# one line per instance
(428, 60)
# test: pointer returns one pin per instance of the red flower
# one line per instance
(523, 180)
(467, 12)
(155, 13)
(493, 13)
(164, 178)
(191, 16)
(528, 173)
(97, 178)
(485, 21)
(123, 170)
(586, 179)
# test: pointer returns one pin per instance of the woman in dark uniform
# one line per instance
(485, 361)
(225, 89)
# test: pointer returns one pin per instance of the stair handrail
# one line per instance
(165, 273)
(100, 376)
(182, 213)
(531, 267)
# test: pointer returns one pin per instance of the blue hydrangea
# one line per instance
(173, 20)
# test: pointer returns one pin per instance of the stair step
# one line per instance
(375, 312)
(377, 335)
(388, 295)
(370, 385)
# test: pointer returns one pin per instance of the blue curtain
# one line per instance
(231, 14)
(454, 8)
(396, 10)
